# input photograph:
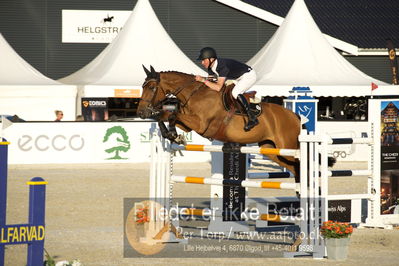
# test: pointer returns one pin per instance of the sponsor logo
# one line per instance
(119, 139)
(146, 136)
(92, 26)
(392, 54)
(45, 143)
(97, 103)
(98, 30)
(305, 110)
(107, 19)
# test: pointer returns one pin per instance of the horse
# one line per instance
(108, 19)
(201, 109)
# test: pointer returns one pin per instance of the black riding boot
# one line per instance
(252, 120)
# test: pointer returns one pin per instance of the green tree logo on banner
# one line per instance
(123, 143)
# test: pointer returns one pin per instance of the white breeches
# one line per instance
(244, 83)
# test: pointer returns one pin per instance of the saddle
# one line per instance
(231, 104)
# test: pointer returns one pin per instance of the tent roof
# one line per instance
(14, 70)
(299, 55)
(142, 41)
(365, 23)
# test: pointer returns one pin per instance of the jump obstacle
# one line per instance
(33, 232)
(162, 178)
(313, 190)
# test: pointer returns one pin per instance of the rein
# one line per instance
(191, 94)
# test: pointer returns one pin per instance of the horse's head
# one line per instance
(152, 95)
(164, 93)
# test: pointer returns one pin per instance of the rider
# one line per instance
(229, 69)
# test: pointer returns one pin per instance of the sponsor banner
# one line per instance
(340, 210)
(389, 135)
(127, 93)
(21, 234)
(393, 61)
(389, 157)
(80, 142)
(307, 109)
(92, 26)
(95, 109)
(234, 168)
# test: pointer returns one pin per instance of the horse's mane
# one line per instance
(176, 72)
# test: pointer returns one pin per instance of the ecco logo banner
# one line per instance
(55, 143)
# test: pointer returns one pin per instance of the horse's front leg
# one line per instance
(172, 127)
(170, 132)
(164, 129)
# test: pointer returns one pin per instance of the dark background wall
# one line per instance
(33, 28)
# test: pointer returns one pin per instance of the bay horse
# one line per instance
(202, 110)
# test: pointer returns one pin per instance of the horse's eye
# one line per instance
(153, 88)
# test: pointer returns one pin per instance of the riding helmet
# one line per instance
(206, 53)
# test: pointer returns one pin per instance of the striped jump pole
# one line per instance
(332, 173)
(278, 218)
(335, 141)
(338, 141)
(349, 173)
(259, 157)
(246, 150)
(195, 212)
(227, 182)
(270, 175)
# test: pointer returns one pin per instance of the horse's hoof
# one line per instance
(180, 139)
(172, 135)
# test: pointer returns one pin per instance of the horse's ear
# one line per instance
(147, 72)
(152, 70)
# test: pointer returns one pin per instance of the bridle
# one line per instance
(154, 89)
(158, 107)
(155, 110)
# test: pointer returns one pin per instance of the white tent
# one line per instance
(298, 54)
(26, 92)
(142, 41)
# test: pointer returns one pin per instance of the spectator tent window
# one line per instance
(342, 109)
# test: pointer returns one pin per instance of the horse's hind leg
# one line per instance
(291, 163)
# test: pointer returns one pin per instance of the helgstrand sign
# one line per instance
(92, 26)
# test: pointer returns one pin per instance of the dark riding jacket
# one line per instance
(229, 68)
